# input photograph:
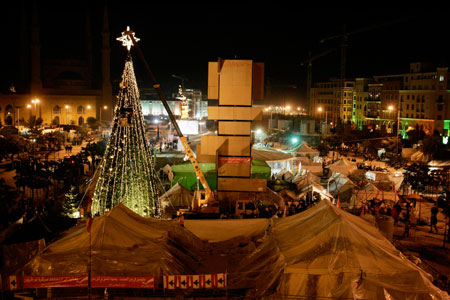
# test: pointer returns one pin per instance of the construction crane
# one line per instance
(344, 38)
(182, 79)
(204, 200)
(309, 62)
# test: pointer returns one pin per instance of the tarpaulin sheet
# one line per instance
(222, 230)
(321, 253)
(325, 252)
(122, 243)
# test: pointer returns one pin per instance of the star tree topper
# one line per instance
(126, 39)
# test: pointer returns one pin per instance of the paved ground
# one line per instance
(427, 249)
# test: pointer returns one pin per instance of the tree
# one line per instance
(127, 174)
(93, 123)
(432, 145)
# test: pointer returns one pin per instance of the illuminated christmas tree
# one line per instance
(127, 173)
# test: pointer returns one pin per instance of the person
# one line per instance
(398, 210)
(407, 225)
(433, 219)
(394, 214)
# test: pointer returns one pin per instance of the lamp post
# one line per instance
(18, 114)
(320, 109)
(35, 102)
(29, 107)
(104, 107)
(156, 121)
(269, 109)
(67, 114)
(391, 108)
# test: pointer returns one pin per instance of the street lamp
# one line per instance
(67, 113)
(104, 107)
(391, 108)
(35, 102)
(287, 109)
(320, 109)
(156, 121)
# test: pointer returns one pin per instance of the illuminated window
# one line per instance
(441, 78)
(56, 110)
(80, 110)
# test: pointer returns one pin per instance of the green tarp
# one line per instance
(184, 174)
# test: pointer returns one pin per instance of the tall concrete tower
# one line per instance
(106, 70)
(36, 82)
(88, 46)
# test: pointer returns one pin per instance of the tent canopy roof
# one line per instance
(305, 149)
(322, 252)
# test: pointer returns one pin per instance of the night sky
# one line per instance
(181, 39)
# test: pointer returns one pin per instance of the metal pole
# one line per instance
(398, 124)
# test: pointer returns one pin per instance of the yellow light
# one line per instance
(105, 107)
(67, 106)
(391, 107)
(288, 107)
(89, 107)
(320, 108)
(29, 106)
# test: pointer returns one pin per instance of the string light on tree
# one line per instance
(127, 174)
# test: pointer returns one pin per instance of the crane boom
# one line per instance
(208, 196)
(345, 35)
(309, 61)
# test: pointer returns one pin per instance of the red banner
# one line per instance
(136, 282)
(34, 282)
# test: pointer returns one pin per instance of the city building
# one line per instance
(420, 95)
(152, 106)
(360, 101)
(330, 101)
(387, 102)
(60, 90)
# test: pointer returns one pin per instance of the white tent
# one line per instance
(337, 181)
(343, 166)
(175, 198)
(419, 156)
(322, 253)
(371, 192)
(326, 253)
(306, 150)
(315, 169)
(439, 163)
(123, 244)
(222, 230)
(276, 159)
